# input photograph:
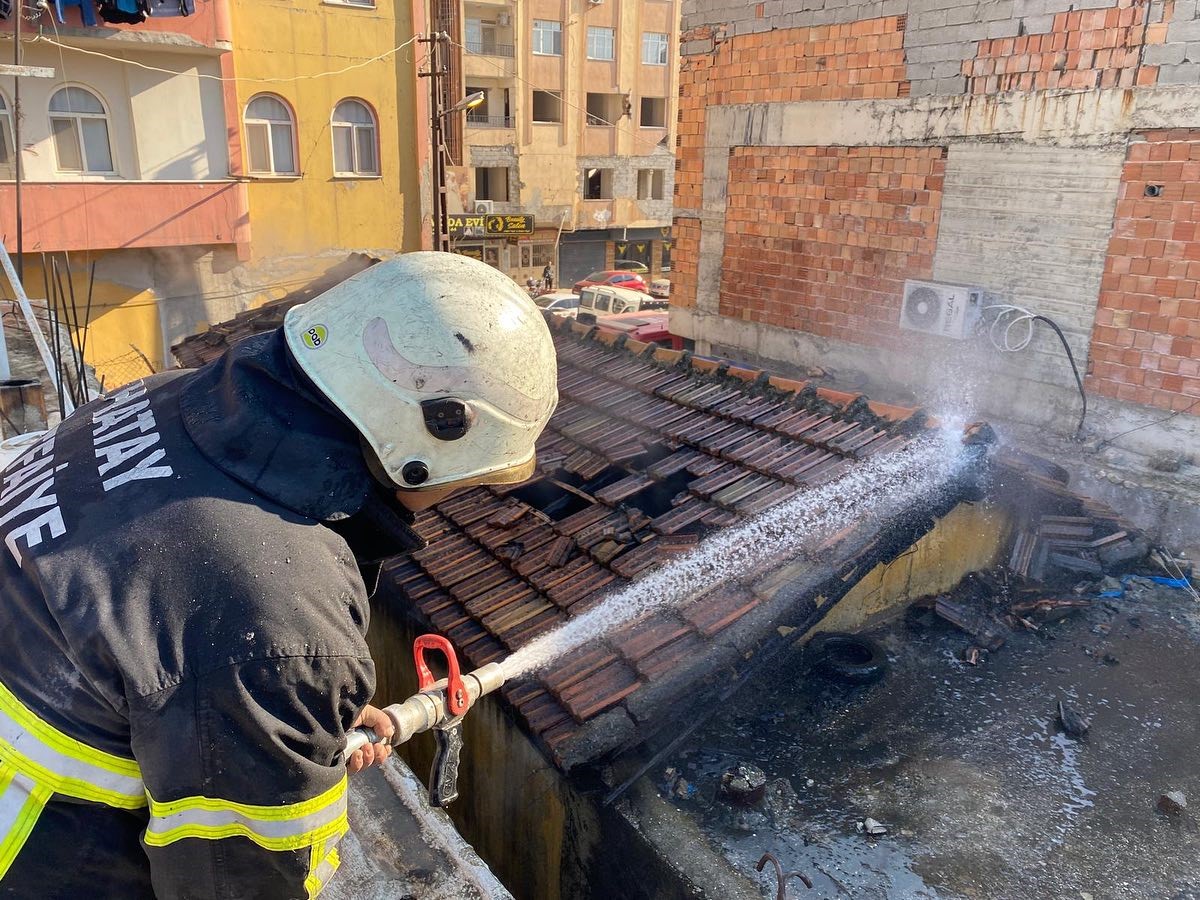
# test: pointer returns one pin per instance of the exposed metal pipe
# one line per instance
(35, 329)
(16, 123)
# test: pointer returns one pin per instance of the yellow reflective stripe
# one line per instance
(277, 813)
(62, 743)
(290, 827)
(63, 764)
(322, 866)
(21, 803)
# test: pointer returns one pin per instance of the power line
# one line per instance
(231, 79)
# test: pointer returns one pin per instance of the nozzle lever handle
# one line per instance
(443, 777)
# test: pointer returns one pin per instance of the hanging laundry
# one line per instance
(164, 8)
(86, 11)
(124, 12)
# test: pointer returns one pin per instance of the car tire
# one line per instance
(848, 657)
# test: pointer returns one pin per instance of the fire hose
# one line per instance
(438, 706)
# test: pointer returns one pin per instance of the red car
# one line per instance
(648, 327)
(616, 277)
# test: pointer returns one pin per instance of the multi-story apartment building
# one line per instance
(576, 130)
(333, 135)
(126, 163)
(208, 163)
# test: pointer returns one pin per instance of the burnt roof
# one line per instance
(198, 349)
(648, 450)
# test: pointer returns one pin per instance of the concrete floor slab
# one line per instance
(983, 795)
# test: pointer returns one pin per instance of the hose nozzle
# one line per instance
(437, 703)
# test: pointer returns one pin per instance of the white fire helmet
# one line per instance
(444, 365)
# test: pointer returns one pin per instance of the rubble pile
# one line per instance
(1065, 552)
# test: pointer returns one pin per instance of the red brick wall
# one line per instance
(1091, 48)
(685, 256)
(1146, 341)
(858, 60)
(821, 238)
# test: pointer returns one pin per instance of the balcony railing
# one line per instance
(474, 118)
(490, 48)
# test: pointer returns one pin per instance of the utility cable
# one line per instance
(1015, 316)
(41, 38)
(1167, 418)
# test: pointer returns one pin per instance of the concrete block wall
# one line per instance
(1147, 337)
(1032, 229)
(1178, 56)
(1091, 48)
(952, 46)
(625, 181)
(503, 156)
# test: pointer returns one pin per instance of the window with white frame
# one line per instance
(547, 37)
(8, 158)
(354, 139)
(79, 124)
(654, 48)
(600, 42)
(270, 136)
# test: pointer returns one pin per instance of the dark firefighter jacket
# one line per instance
(182, 639)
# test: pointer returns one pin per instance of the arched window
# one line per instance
(354, 139)
(270, 136)
(7, 151)
(79, 124)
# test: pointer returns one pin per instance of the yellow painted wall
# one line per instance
(123, 339)
(969, 538)
(314, 212)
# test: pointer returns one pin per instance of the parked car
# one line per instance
(660, 287)
(604, 300)
(631, 280)
(631, 265)
(560, 303)
(648, 327)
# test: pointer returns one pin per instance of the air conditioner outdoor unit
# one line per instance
(935, 307)
(485, 207)
(503, 19)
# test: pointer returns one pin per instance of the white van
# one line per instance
(607, 300)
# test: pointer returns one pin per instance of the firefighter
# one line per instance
(183, 618)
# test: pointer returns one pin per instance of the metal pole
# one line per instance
(437, 168)
(438, 69)
(34, 328)
(20, 5)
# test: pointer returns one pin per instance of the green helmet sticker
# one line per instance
(315, 337)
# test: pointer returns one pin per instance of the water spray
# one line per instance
(879, 487)
(438, 706)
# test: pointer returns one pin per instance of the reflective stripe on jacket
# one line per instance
(181, 641)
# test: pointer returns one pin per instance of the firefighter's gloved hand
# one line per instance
(372, 754)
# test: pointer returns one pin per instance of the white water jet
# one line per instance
(880, 487)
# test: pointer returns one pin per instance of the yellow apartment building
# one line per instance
(331, 162)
